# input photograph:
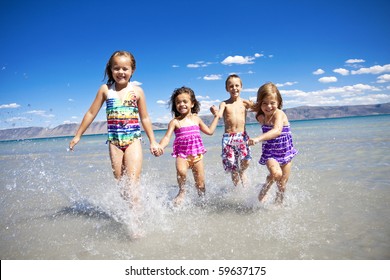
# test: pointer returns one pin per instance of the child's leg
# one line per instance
(132, 166)
(275, 173)
(244, 166)
(181, 170)
(116, 156)
(198, 172)
(263, 192)
(286, 170)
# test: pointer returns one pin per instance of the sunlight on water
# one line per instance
(67, 205)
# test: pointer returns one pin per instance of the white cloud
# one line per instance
(40, 113)
(193, 65)
(136, 83)
(17, 119)
(286, 84)
(238, 59)
(258, 55)
(71, 100)
(162, 102)
(346, 95)
(354, 60)
(213, 77)
(201, 97)
(341, 71)
(250, 89)
(198, 64)
(383, 79)
(175, 66)
(9, 106)
(319, 71)
(327, 79)
(377, 69)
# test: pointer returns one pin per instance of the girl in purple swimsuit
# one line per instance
(277, 148)
(188, 146)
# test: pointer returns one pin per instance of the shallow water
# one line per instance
(61, 205)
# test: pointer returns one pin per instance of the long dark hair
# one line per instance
(179, 91)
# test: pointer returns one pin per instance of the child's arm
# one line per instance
(155, 148)
(248, 105)
(274, 132)
(215, 111)
(167, 137)
(89, 116)
(209, 130)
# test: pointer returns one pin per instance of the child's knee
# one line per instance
(276, 175)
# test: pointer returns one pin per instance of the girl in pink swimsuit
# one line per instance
(188, 146)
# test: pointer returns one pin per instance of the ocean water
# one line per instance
(57, 204)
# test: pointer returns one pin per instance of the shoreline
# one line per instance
(163, 129)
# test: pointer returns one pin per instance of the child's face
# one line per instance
(184, 104)
(234, 86)
(121, 69)
(269, 104)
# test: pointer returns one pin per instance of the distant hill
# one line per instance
(298, 113)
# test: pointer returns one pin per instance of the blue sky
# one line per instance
(53, 53)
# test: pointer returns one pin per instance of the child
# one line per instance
(125, 105)
(278, 149)
(188, 146)
(235, 151)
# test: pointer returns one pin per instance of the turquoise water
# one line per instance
(62, 205)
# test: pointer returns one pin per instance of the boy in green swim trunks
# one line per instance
(235, 150)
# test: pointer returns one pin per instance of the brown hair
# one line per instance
(191, 93)
(108, 72)
(230, 77)
(264, 91)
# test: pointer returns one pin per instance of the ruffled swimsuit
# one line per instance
(188, 142)
(280, 148)
(122, 118)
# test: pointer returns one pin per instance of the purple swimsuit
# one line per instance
(280, 148)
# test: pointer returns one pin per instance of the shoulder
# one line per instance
(173, 123)
(281, 115)
(103, 90)
(104, 87)
(196, 119)
(137, 90)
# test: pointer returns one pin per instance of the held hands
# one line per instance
(214, 110)
(253, 141)
(156, 149)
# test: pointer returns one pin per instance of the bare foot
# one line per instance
(262, 197)
(179, 198)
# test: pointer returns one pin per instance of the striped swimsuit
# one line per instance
(188, 142)
(122, 118)
(280, 148)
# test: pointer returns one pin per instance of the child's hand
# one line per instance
(253, 141)
(156, 150)
(214, 110)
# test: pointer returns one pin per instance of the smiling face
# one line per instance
(269, 105)
(234, 86)
(121, 70)
(184, 104)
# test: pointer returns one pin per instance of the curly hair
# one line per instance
(195, 109)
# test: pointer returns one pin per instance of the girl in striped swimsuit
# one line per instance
(126, 104)
(277, 149)
(188, 146)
